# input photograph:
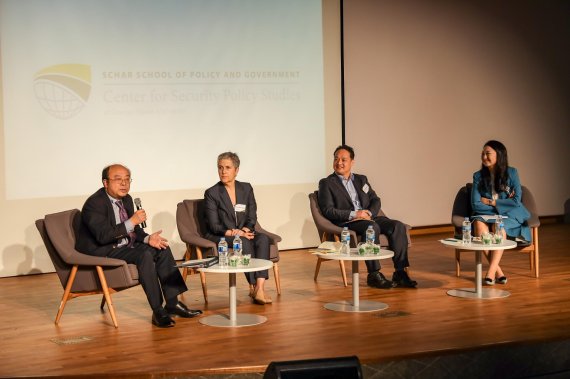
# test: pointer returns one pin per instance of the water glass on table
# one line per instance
(498, 238)
(234, 259)
(487, 238)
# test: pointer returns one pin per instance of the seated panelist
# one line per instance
(347, 199)
(497, 191)
(231, 211)
(110, 227)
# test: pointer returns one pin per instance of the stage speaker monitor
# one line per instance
(323, 368)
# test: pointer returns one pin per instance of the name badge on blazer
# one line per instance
(239, 208)
(366, 188)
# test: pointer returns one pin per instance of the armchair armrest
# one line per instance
(199, 241)
(533, 221)
(272, 236)
(81, 259)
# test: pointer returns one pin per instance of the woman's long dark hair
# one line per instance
(501, 172)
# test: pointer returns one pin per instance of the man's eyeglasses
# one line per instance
(120, 180)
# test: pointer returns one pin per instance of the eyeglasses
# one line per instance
(120, 180)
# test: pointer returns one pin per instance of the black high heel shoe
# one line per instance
(502, 280)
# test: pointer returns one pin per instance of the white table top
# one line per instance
(254, 265)
(354, 256)
(478, 245)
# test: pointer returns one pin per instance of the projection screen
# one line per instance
(159, 84)
(164, 87)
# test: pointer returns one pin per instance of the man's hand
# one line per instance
(362, 215)
(138, 217)
(156, 241)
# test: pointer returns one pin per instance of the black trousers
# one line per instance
(258, 247)
(157, 270)
(394, 230)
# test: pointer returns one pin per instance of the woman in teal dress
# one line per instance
(497, 191)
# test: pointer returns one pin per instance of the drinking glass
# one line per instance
(376, 249)
(234, 259)
(498, 238)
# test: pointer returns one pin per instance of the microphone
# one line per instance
(139, 207)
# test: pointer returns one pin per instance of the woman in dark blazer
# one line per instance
(497, 191)
(231, 210)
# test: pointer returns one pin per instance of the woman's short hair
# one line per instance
(229, 155)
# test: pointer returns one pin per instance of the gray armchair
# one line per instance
(191, 227)
(462, 209)
(331, 232)
(190, 220)
(327, 232)
(82, 274)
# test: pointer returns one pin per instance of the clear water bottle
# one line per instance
(500, 229)
(466, 228)
(223, 252)
(237, 246)
(345, 240)
(370, 235)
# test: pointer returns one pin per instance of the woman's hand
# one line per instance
(490, 202)
(247, 233)
(233, 232)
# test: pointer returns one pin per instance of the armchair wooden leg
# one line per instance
(457, 262)
(277, 278)
(107, 295)
(186, 258)
(343, 272)
(66, 293)
(535, 252)
(204, 289)
(531, 261)
(317, 268)
(202, 274)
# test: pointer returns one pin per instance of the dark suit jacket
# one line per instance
(335, 202)
(220, 215)
(98, 232)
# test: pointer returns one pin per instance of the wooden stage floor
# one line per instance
(418, 322)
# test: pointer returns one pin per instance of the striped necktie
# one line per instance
(123, 216)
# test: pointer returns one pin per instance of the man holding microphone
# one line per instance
(110, 227)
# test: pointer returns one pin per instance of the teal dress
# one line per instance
(509, 203)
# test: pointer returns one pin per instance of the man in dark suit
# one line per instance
(347, 199)
(111, 228)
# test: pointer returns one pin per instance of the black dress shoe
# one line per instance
(182, 310)
(162, 319)
(402, 279)
(378, 280)
(522, 243)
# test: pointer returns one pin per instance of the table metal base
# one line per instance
(485, 293)
(363, 306)
(241, 319)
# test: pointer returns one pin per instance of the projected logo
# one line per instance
(63, 90)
